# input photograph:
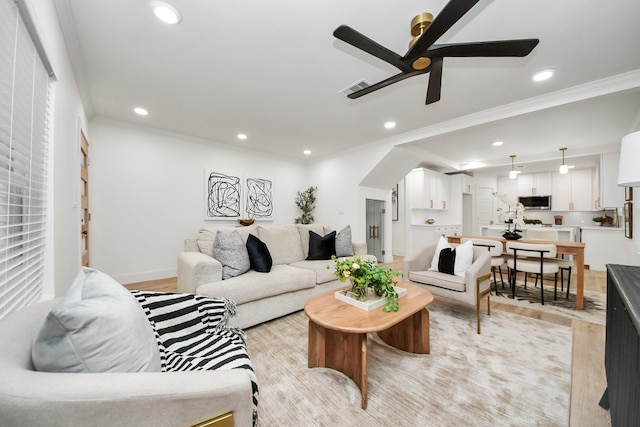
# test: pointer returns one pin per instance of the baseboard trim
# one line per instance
(126, 279)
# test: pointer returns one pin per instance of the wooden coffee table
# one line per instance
(338, 331)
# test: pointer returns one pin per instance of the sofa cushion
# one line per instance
(283, 242)
(253, 286)
(303, 230)
(259, 256)
(441, 280)
(232, 253)
(321, 247)
(319, 268)
(98, 327)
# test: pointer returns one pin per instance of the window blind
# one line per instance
(24, 135)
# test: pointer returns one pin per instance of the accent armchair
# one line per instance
(469, 289)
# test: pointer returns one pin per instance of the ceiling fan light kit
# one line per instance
(423, 55)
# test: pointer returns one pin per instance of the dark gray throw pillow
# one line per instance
(447, 261)
(321, 247)
(259, 256)
(232, 253)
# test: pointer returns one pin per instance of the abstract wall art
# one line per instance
(223, 196)
(258, 199)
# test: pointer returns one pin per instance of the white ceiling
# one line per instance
(273, 70)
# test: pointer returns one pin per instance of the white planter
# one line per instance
(371, 303)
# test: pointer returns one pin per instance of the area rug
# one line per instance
(517, 373)
(595, 303)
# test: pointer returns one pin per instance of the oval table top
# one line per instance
(331, 313)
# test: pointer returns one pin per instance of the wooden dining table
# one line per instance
(569, 248)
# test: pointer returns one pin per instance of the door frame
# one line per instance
(365, 193)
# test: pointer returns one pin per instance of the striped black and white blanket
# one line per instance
(192, 334)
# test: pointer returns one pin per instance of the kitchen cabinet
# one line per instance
(612, 195)
(429, 190)
(422, 235)
(536, 184)
(467, 184)
(573, 191)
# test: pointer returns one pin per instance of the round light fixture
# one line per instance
(242, 136)
(497, 143)
(141, 111)
(165, 12)
(543, 75)
(307, 152)
(390, 125)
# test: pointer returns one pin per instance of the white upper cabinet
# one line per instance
(428, 189)
(574, 191)
(467, 184)
(535, 184)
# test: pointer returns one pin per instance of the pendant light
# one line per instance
(564, 169)
(514, 173)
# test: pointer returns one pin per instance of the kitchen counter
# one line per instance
(565, 233)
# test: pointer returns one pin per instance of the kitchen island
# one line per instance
(565, 234)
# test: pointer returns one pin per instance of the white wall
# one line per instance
(63, 244)
(147, 194)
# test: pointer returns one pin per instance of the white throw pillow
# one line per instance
(98, 327)
(232, 253)
(442, 244)
(464, 258)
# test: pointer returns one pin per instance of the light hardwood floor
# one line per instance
(588, 380)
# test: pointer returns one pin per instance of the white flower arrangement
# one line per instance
(508, 215)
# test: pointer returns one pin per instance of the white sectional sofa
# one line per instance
(260, 297)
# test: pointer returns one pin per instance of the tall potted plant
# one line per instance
(305, 201)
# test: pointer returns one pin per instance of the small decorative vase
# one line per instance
(511, 235)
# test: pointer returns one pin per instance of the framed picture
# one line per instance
(394, 203)
(628, 194)
(628, 220)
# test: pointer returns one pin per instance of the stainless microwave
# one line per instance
(535, 202)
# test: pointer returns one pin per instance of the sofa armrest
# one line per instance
(418, 260)
(158, 399)
(359, 248)
(195, 269)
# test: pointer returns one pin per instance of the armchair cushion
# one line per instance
(98, 327)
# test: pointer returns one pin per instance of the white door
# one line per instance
(484, 207)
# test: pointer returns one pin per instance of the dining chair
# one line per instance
(496, 250)
(536, 258)
(563, 264)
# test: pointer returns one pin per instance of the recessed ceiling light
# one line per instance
(140, 111)
(497, 143)
(307, 152)
(390, 125)
(165, 12)
(242, 136)
(542, 75)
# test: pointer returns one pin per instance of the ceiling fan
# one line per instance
(424, 56)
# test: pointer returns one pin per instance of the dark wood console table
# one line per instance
(622, 348)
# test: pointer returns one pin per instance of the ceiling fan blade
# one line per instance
(384, 83)
(362, 42)
(520, 48)
(450, 14)
(435, 81)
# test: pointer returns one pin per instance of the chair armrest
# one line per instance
(481, 266)
(158, 399)
(195, 269)
(418, 260)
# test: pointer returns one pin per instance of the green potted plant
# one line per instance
(598, 220)
(367, 275)
(305, 201)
